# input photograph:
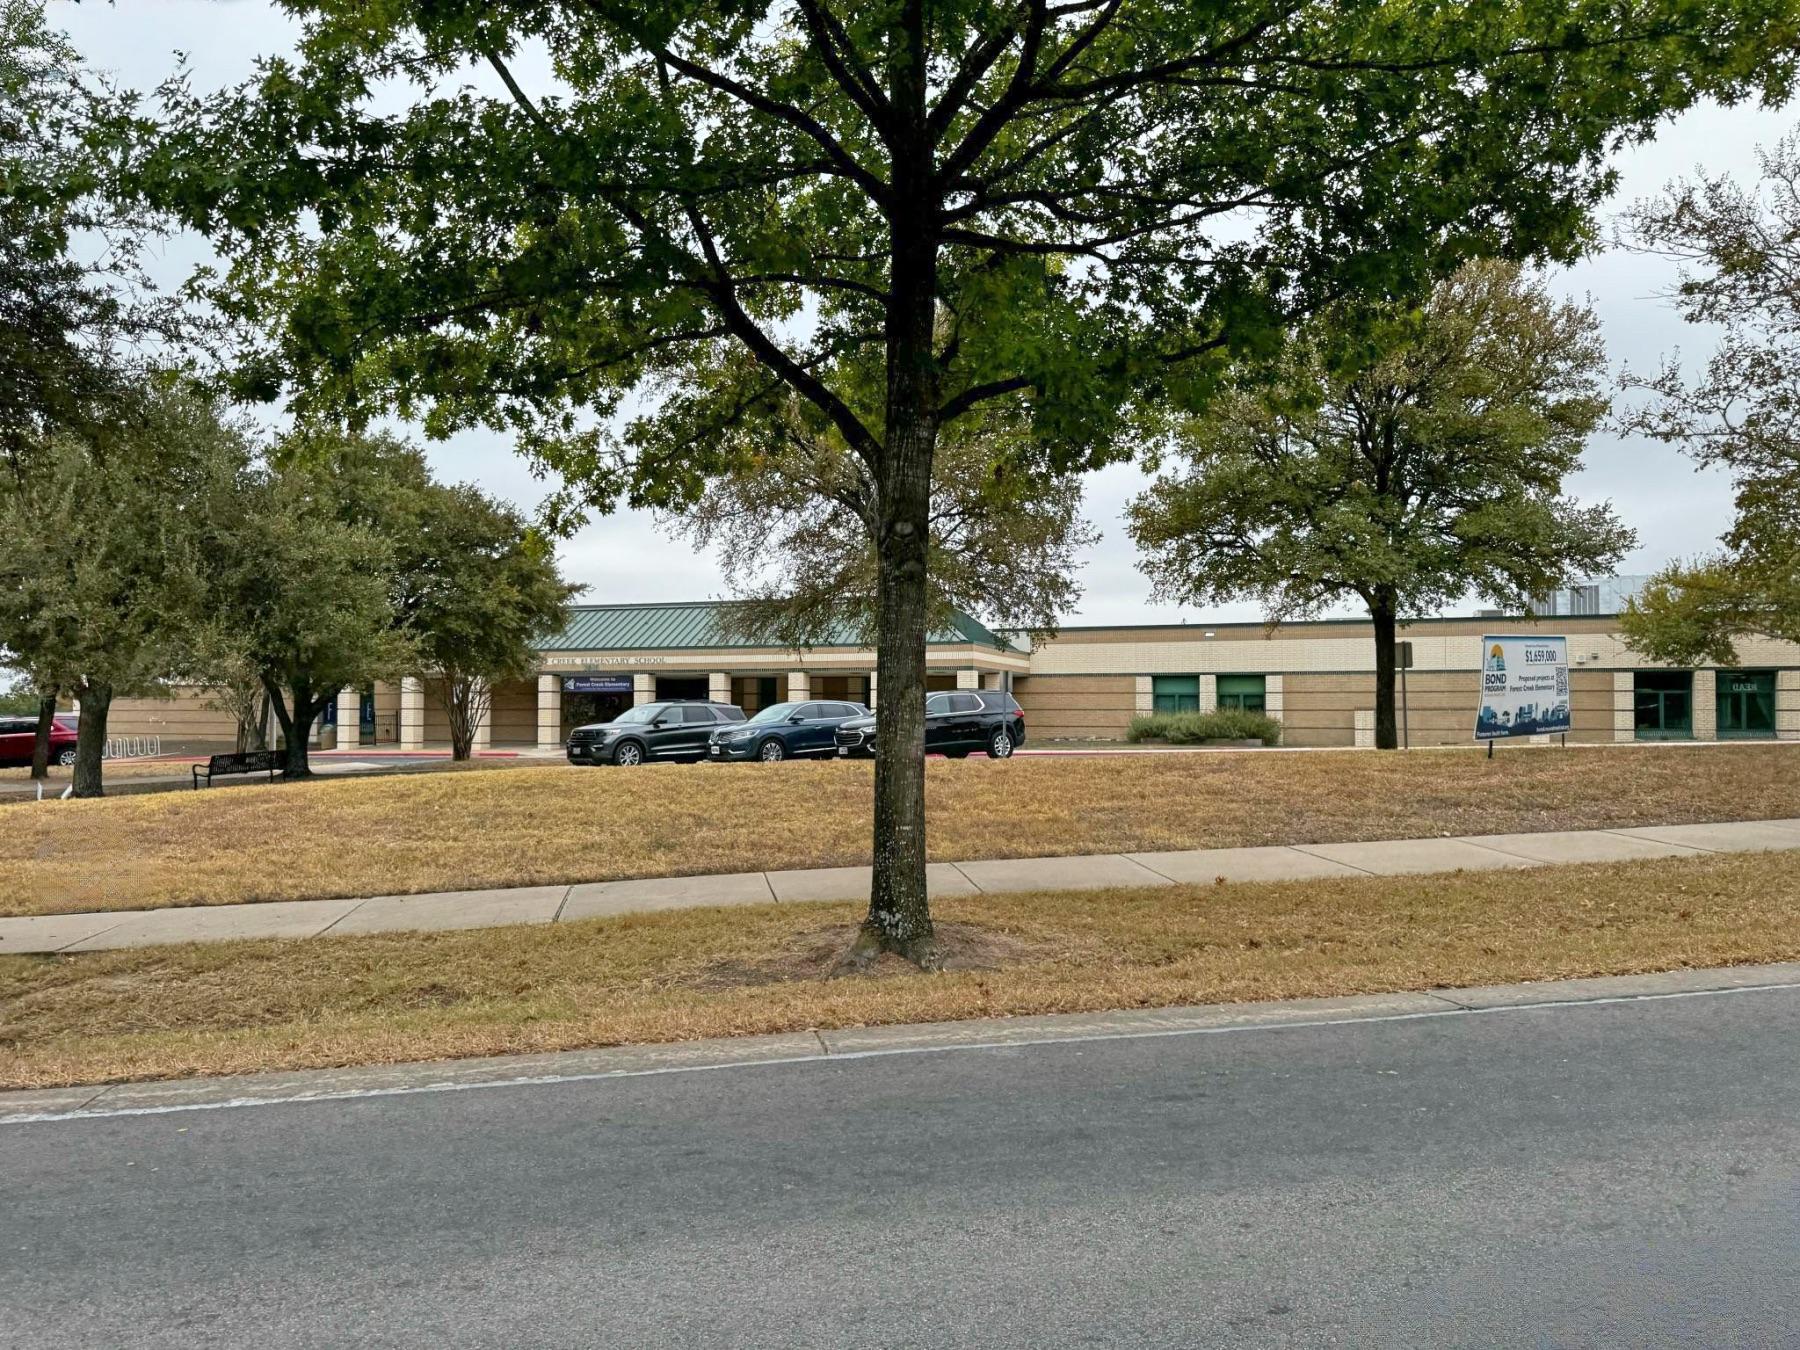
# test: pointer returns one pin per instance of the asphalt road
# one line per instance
(1604, 1175)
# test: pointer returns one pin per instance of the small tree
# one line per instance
(302, 596)
(479, 590)
(1740, 252)
(236, 689)
(1424, 462)
(101, 584)
(793, 521)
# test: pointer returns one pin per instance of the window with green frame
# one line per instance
(1175, 693)
(1746, 701)
(1247, 692)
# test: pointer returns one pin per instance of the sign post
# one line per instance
(1524, 688)
(1403, 658)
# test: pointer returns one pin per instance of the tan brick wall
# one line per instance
(1080, 707)
(512, 714)
(387, 713)
(1787, 705)
(437, 721)
(1321, 709)
(183, 720)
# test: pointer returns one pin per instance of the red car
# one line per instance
(18, 733)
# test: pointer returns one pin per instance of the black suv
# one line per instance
(668, 730)
(955, 724)
(784, 731)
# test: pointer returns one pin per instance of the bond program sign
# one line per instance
(1524, 687)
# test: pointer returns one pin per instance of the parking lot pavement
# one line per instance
(1104, 871)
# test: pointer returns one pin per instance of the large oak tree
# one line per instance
(1401, 459)
(1068, 203)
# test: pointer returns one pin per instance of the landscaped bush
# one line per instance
(1191, 728)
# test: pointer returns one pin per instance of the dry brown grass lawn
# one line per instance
(245, 1006)
(538, 826)
(115, 769)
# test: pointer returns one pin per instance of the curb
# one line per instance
(812, 1047)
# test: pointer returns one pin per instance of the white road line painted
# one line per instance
(551, 1080)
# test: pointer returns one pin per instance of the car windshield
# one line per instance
(776, 712)
(642, 713)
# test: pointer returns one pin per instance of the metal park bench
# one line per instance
(242, 761)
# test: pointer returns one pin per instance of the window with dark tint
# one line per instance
(964, 703)
(1175, 693)
(845, 710)
(731, 713)
(1746, 704)
(938, 703)
(1664, 704)
(1248, 692)
(812, 712)
(697, 712)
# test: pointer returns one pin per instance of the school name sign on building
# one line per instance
(1524, 687)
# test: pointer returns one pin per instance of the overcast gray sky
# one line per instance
(1676, 509)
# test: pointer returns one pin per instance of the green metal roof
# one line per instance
(696, 624)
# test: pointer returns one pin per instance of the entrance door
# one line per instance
(1664, 705)
(1746, 704)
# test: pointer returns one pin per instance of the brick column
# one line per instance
(1272, 696)
(484, 727)
(1706, 705)
(1364, 721)
(1209, 693)
(349, 719)
(718, 687)
(412, 713)
(871, 689)
(643, 687)
(1143, 696)
(1787, 705)
(993, 679)
(549, 712)
(799, 686)
(1624, 705)
(968, 679)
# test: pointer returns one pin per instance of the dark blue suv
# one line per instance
(785, 731)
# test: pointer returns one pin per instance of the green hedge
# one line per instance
(1190, 728)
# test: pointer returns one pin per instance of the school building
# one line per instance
(1085, 684)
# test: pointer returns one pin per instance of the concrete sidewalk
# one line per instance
(556, 904)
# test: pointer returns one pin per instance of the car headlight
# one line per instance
(739, 734)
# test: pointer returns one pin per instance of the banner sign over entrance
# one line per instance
(596, 684)
(1524, 687)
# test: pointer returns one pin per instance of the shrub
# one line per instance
(1191, 728)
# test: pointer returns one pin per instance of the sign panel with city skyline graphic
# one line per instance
(1524, 687)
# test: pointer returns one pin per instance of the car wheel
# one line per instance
(629, 754)
(66, 758)
(1001, 745)
(771, 751)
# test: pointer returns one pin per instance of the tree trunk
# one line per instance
(296, 723)
(253, 722)
(466, 699)
(899, 917)
(1387, 727)
(90, 739)
(40, 747)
